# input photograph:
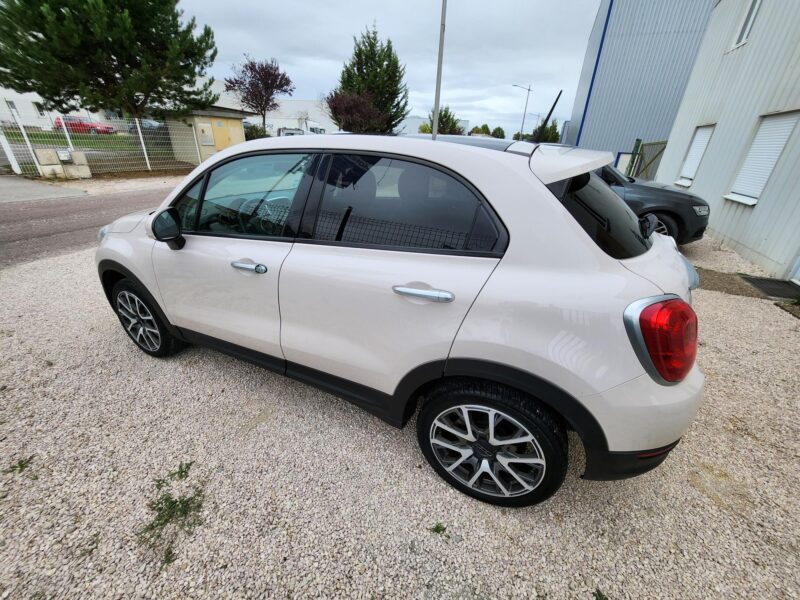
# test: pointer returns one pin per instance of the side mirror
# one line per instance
(167, 228)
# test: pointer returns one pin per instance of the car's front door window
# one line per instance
(252, 195)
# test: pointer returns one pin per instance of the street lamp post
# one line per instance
(528, 89)
(435, 128)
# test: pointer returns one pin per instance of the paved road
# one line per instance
(32, 229)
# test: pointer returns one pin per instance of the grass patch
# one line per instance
(20, 465)
(438, 529)
(174, 514)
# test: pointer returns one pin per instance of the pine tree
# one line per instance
(448, 122)
(133, 55)
(374, 72)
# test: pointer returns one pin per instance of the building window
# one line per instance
(11, 106)
(39, 108)
(747, 24)
(695, 154)
(773, 133)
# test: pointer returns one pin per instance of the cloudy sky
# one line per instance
(489, 45)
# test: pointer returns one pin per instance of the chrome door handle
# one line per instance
(255, 268)
(432, 295)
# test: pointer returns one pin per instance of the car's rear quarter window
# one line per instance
(602, 214)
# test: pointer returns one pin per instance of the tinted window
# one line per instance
(252, 195)
(187, 206)
(388, 202)
(602, 214)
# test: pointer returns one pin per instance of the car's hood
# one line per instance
(665, 188)
(129, 222)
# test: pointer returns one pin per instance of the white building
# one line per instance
(306, 115)
(736, 141)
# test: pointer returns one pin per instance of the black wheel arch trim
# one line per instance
(107, 265)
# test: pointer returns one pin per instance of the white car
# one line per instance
(505, 295)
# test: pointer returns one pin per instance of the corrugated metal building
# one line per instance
(736, 141)
(637, 64)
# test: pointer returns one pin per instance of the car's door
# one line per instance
(224, 282)
(390, 257)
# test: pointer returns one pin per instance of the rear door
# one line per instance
(223, 284)
(391, 256)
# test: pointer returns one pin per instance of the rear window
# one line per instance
(603, 215)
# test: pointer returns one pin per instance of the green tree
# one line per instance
(448, 122)
(475, 130)
(485, 129)
(134, 55)
(498, 132)
(375, 73)
(425, 128)
(549, 134)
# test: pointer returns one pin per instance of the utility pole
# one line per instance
(435, 128)
(528, 89)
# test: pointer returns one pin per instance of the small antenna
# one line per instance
(540, 131)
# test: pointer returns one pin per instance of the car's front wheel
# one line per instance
(141, 322)
(666, 225)
(493, 443)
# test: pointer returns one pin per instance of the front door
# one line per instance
(398, 251)
(224, 282)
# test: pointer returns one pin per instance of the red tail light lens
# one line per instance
(669, 331)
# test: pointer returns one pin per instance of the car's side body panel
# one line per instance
(340, 314)
(203, 292)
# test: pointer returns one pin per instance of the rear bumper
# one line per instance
(606, 466)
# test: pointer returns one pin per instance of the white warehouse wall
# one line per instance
(732, 88)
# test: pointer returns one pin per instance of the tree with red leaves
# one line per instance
(256, 83)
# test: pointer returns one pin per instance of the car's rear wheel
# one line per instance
(666, 225)
(493, 443)
(141, 322)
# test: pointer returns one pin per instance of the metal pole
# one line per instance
(196, 144)
(524, 112)
(66, 133)
(27, 142)
(435, 128)
(141, 139)
(12, 160)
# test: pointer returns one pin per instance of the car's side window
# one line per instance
(252, 195)
(383, 201)
(187, 205)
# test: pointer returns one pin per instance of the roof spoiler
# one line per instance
(554, 162)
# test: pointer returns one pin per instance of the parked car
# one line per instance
(503, 296)
(149, 126)
(77, 124)
(680, 215)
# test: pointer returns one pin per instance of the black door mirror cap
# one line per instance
(170, 231)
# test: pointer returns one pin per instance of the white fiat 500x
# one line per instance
(506, 293)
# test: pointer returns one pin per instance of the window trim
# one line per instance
(745, 24)
(682, 180)
(297, 206)
(314, 203)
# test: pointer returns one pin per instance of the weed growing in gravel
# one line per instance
(173, 514)
(598, 595)
(20, 465)
(438, 529)
(90, 547)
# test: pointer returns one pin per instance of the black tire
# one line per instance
(121, 296)
(670, 223)
(549, 440)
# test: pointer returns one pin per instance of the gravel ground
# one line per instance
(712, 254)
(306, 495)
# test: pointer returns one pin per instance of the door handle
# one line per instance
(432, 295)
(255, 268)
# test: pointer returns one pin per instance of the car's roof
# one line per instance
(549, 162)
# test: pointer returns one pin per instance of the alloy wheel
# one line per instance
(661, 227)
(138, 321)
(487, 450)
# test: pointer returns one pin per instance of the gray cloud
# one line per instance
(489, 45)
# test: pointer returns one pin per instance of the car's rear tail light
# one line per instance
(663, 331)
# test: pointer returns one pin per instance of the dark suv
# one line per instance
(680, 214)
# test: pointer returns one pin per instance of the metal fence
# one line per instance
(645, 159)
(110, 145)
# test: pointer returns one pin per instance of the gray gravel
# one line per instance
(307, 495)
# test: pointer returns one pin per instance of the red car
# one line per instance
(77, 124)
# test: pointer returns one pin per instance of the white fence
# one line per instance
(110, 146)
